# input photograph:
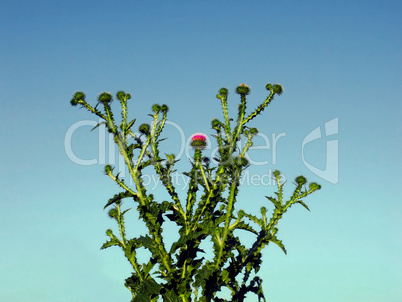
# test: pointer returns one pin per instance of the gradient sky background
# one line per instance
(335, 59)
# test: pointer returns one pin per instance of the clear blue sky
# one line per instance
(335, 59)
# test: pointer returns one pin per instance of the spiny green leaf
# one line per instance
(253, 218)
(244, 226)
(304, 205)
(184, 238)
(145, 290)
(117, 198)
(130, 124)
(278, 242)
(102, 123)
(111, 242)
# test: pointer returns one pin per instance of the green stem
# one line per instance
(124, 117)
(239, 125)
(121, 225)
(91, 109)
(249, 143)
(203, 176)
(163, 175)
(224, 103)
(211, 193)
(260, 108)
(140, 188)
(229, 213)
(120, 183)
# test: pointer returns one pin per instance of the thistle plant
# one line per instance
(180, 272)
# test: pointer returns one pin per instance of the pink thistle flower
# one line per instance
(198, 140)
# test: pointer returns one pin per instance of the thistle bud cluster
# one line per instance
(78, 96)
(144, 129)
(276, 88)
(122, 96)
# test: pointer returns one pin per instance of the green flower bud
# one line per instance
(215, 123)
(278, 89)
(144, 129)
(113, 213)
(105, 97)
(120, 95)
(206, 160)
(301, 180)
(314, 186)
(223, 91)
(243, 89)
(108, 169)
(78, 96)
(109, 232)
(268, 86)
(276, 173)
(156, 108)
(164, 108)
(128, 96)
(254, 131)
(74, 102)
